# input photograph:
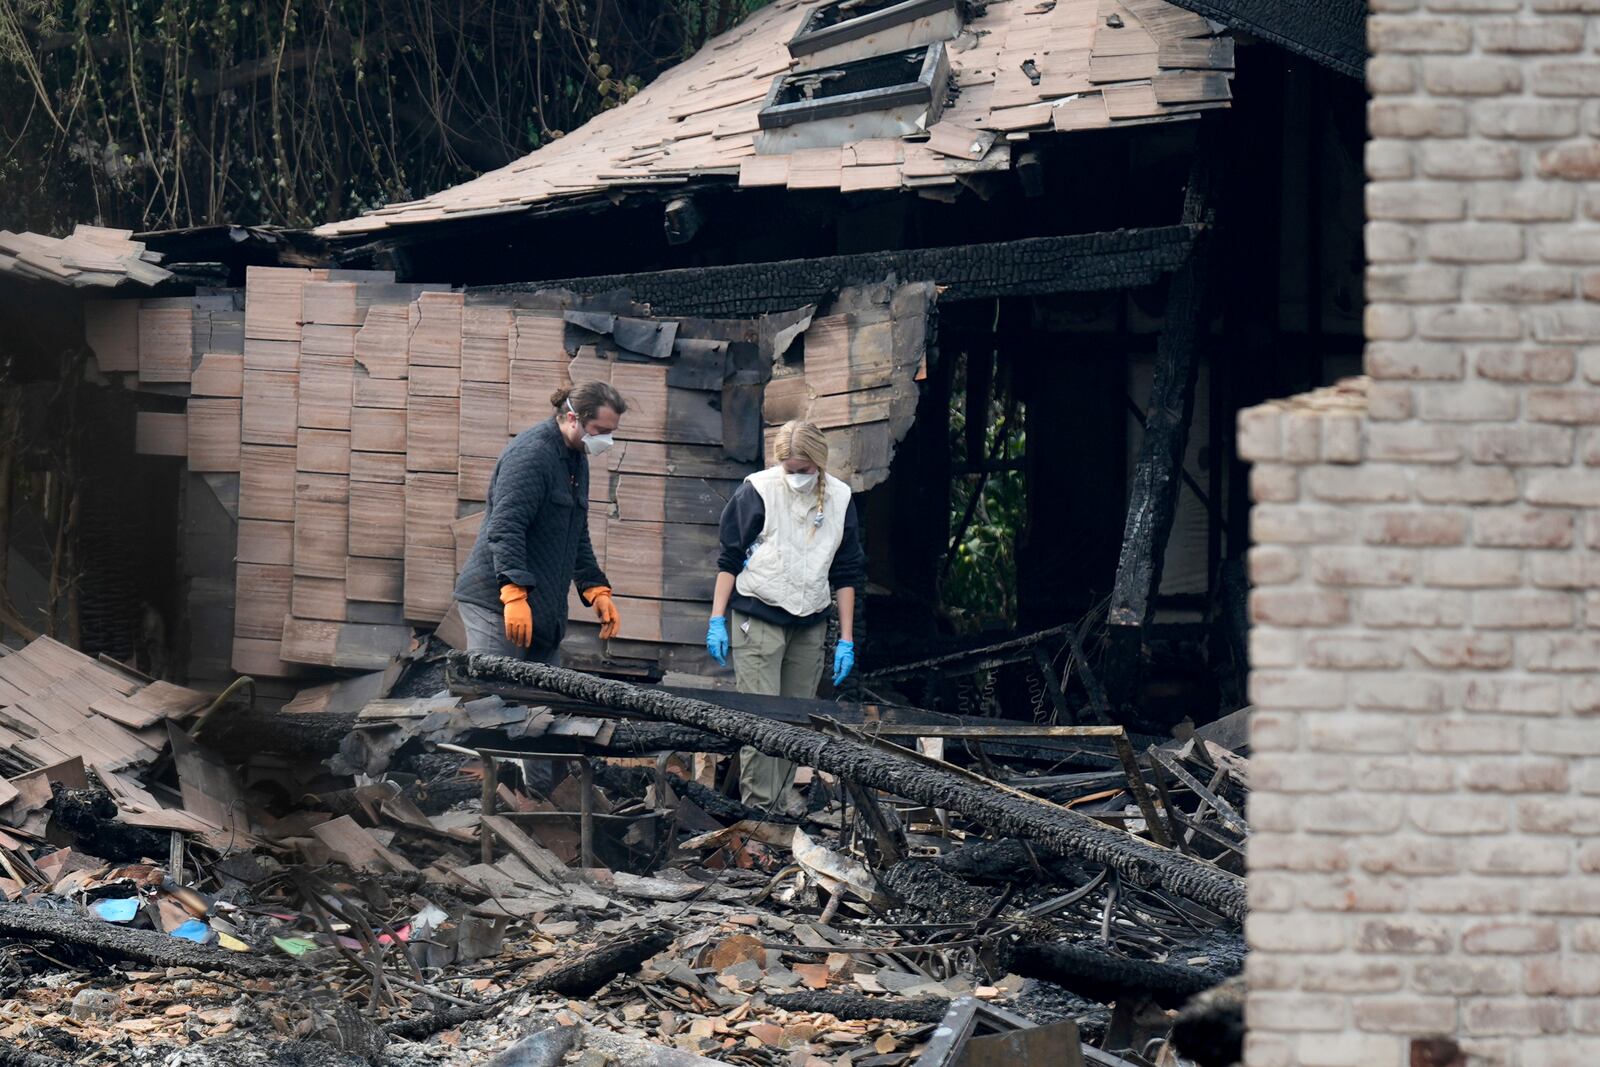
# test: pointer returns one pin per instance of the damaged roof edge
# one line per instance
(1079, 263)
(1331, 32)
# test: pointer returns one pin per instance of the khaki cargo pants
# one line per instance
(772, 660)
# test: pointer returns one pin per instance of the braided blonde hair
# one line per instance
(803, 440)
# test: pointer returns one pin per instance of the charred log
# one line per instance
(934, 891)
(584, 977)
(19, 922)
(1106, 978)
(860, 1006)
(581, 978)
(444, 1019)
(90, 814)
(1007, 860)
(1053, 828)
(238, 733)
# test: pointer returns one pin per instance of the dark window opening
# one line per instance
(988, 497)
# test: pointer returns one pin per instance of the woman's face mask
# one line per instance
(802, 483)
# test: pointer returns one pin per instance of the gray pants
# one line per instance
(486, 632)
(775, 661)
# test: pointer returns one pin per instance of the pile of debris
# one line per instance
(467, 857)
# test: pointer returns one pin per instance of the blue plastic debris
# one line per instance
(193, 930)
(117, 911)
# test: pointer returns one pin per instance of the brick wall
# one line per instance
(1426, 648)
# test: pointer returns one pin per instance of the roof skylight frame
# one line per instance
(927, 89)
(908, 24)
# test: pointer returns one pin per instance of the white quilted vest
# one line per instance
(789, 563)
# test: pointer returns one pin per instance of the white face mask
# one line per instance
(801, 483)
(593, 443)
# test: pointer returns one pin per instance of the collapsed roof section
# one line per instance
(1015, 68)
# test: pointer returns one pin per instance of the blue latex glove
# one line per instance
(844, 660)
(717, 639)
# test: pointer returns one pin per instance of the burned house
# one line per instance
(1058, 245)
(1423, 647)
(1099, 227)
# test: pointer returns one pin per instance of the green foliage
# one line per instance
(980, 586)
(152, 114)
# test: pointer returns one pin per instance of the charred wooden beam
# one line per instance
(1054, 828)
(585, 976)
(1006, 860)
(940, 895)
(1332, 32)
(579, 978)
(19, 922)
(1107, 978)
(1153, 502)
(1153, 499)
(860, 1006)
(1090, 262)
(239, 732)
(444, 1019)
(90, 816)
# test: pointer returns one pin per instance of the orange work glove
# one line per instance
(599, 598)
(519, 616)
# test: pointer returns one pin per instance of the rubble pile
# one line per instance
(466, 859)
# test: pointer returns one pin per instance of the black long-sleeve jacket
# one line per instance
(743, 517)
(535, 531)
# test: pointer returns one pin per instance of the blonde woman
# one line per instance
(789, 540)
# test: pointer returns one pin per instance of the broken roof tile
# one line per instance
(92, 256)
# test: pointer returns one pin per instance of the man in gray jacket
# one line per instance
(534, 540)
